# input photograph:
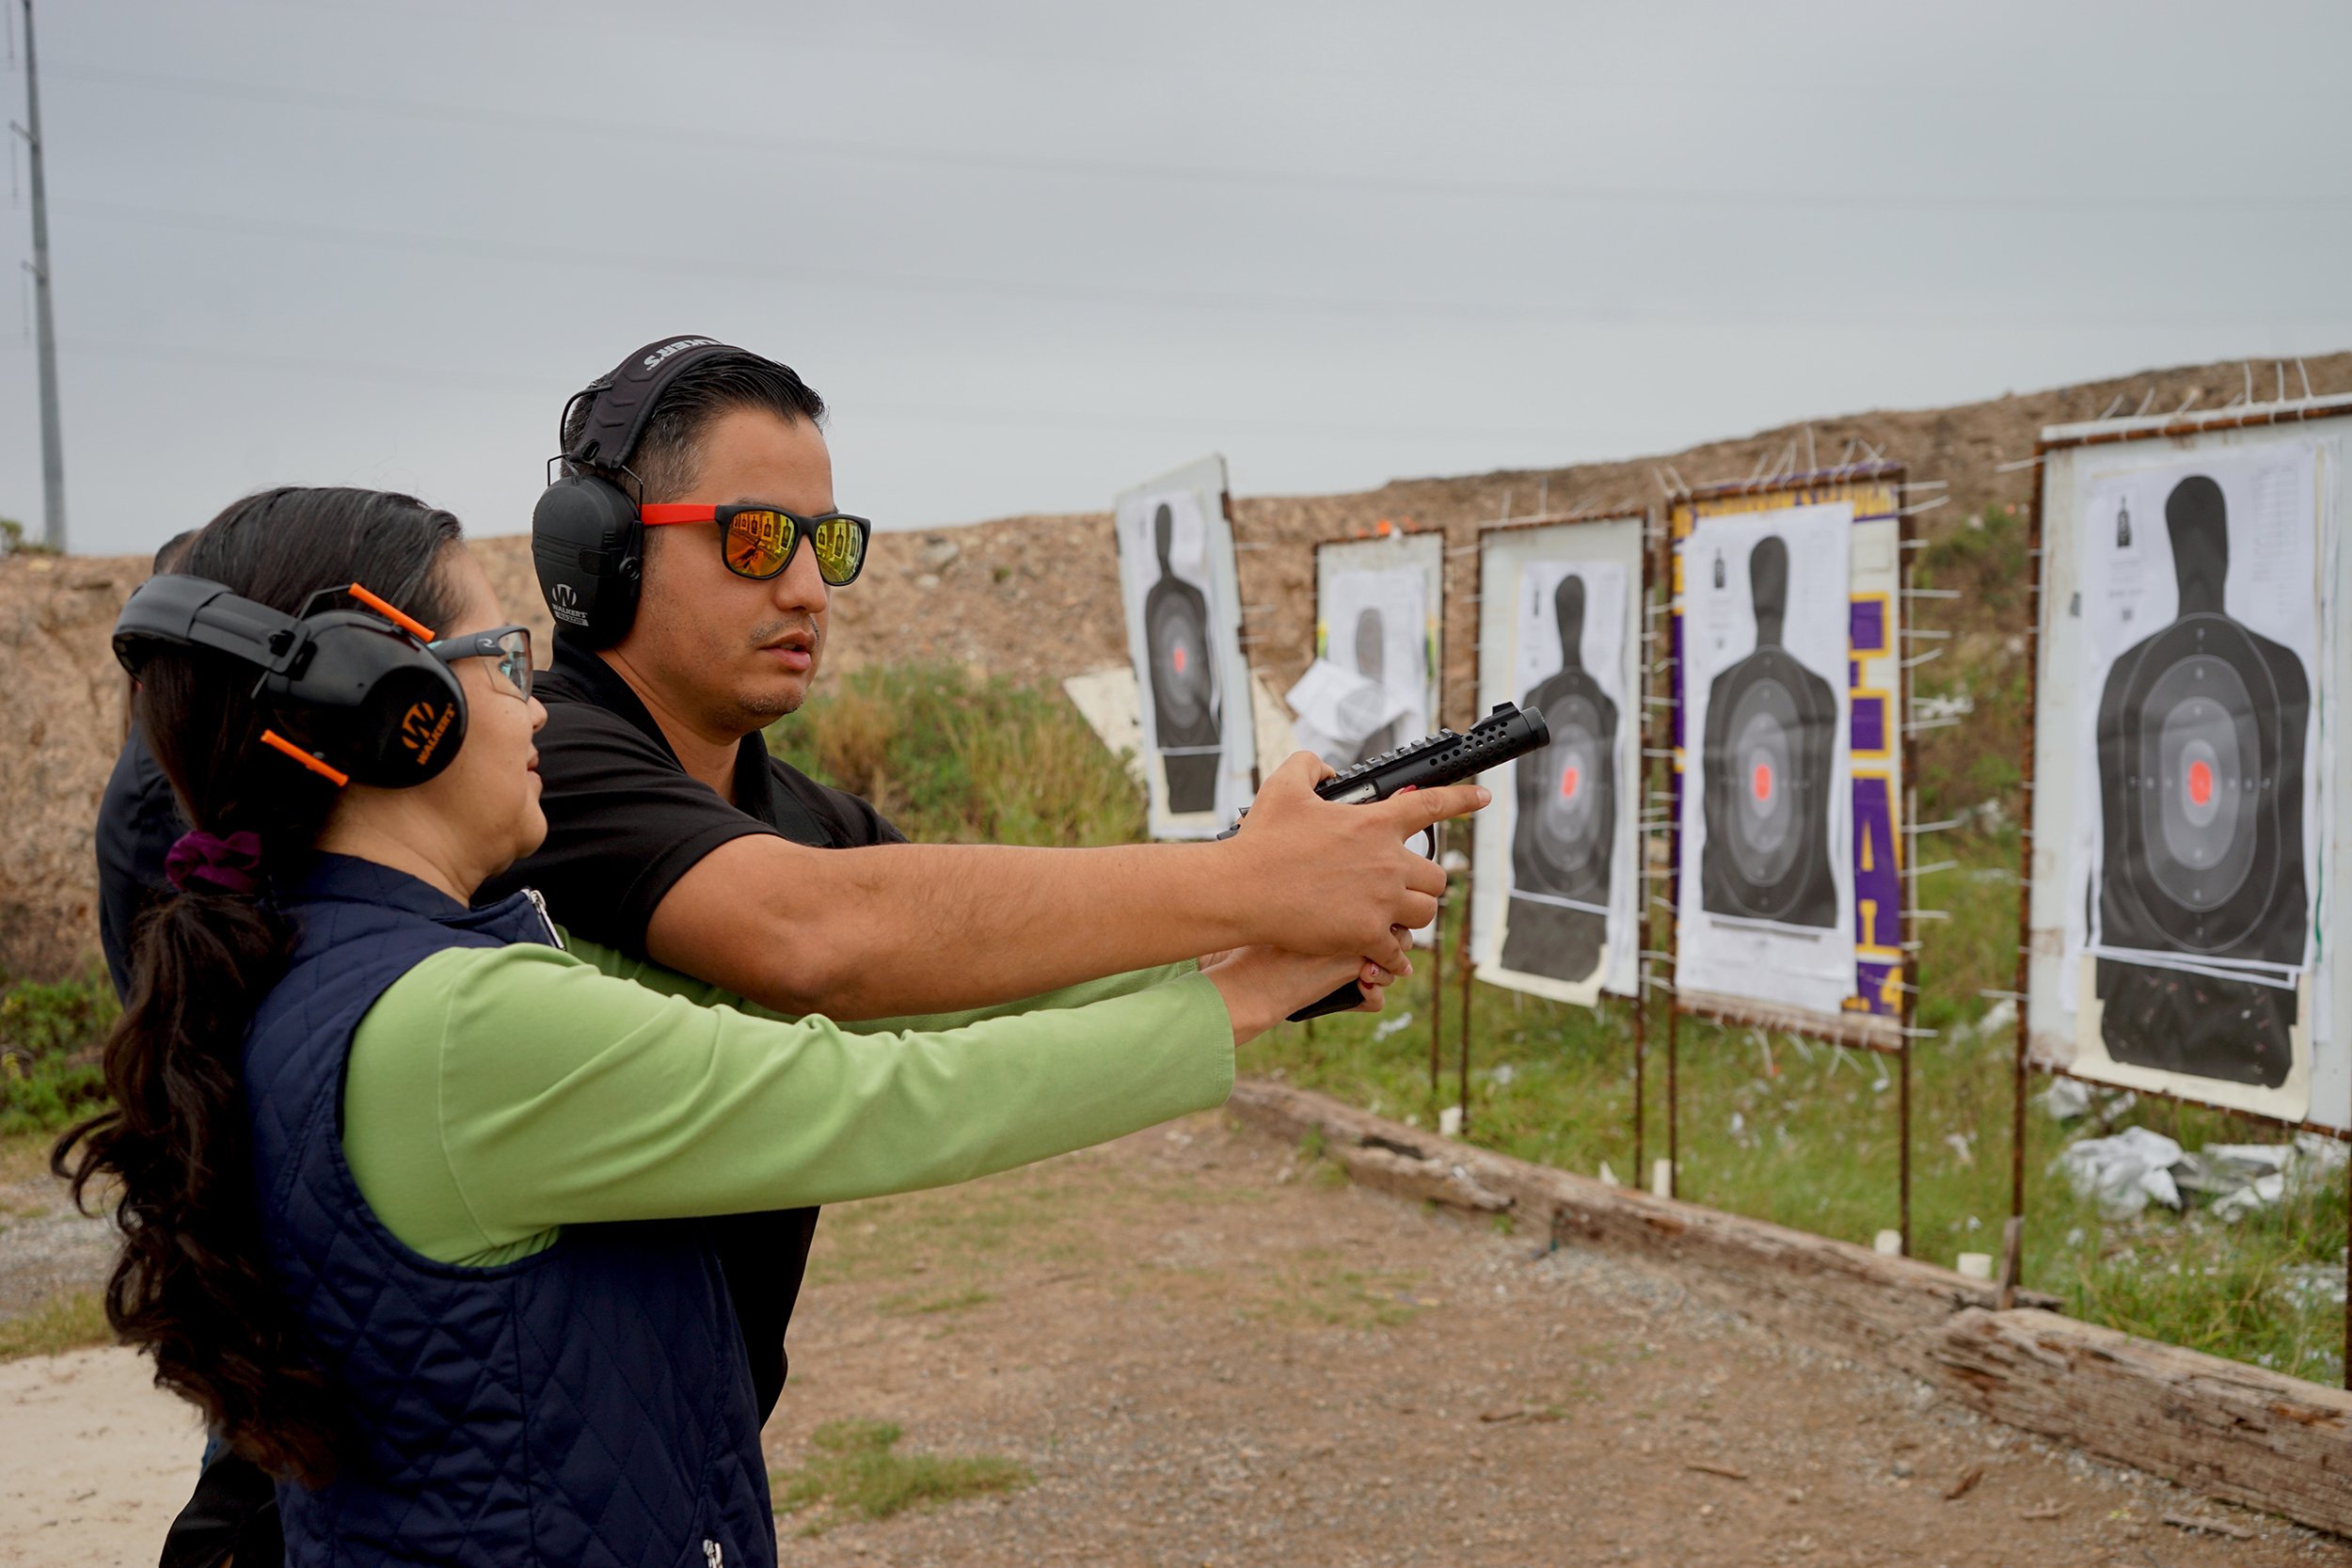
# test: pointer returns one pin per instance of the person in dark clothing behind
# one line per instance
(137, 823)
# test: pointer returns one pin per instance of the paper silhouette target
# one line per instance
(1184, 636)
(1555, 899)
(1767, 873)
(2200, 731)
(2184, 817)
(1564, 842)
(1375, 686)
(1183, 677)
(1766, 765)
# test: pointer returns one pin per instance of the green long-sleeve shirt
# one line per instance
(496, 1094)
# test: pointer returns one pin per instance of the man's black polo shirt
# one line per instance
(625, 823)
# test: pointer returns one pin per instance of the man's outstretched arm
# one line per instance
(923, 928)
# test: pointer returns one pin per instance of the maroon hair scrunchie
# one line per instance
(232, 865)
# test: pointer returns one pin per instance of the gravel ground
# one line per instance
(1208, 1352)
(46, 1249)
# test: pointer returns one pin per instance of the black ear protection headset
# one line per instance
(355, 688)
(586, 538)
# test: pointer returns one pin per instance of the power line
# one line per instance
(547, 392)
(671, 265)
(1071, 165)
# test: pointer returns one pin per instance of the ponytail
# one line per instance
(194, 1286)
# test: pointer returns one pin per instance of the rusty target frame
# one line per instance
(1389, 533)
(1647, 519)
(1843, 1031)
(2025, 1066)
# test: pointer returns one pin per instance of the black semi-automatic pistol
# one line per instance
(1506, 733)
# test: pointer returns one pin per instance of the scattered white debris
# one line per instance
(1974, 1265)
(2125, 1171)
(1956, 704)
(1608, 1176)
(1888, 1243)
(2064, 1100)
(1501, 1075)
(1388, 1026)
(1450, 1121)
(1960, 1146)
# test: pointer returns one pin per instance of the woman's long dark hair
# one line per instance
(193, 1287)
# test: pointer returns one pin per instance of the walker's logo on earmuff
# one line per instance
(421, 728)
(655, 359)
(564, 603)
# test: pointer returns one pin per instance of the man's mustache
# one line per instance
(771, 632)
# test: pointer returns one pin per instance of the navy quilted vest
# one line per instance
(585, 1405)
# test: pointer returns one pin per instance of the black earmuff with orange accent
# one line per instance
(351, 694)
(586, 538)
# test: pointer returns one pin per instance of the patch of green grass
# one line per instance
(953, 758)
(1317, 1288)
(50, 1035)
(1024, 1215)
(66, 1324)
(916, 1304)
(853, 1470)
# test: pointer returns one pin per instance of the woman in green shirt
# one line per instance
(409, 1192)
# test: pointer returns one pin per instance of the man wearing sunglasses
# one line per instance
(674, 836)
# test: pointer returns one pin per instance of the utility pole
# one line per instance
(45, 326)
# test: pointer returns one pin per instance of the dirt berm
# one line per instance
(1031, 597)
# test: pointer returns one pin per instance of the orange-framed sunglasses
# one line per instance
(758, 542)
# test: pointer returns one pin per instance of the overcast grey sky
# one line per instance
(1034, 253)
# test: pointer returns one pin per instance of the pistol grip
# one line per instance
(1349, 995)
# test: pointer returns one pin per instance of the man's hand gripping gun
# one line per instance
(1444, 758)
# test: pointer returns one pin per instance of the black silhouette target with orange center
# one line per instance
(2200, 740)
(1766, 762)
(1564, 840)
(1186, 725)
(1180, 660)
(1572, 820)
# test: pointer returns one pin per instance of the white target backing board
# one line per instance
(1764, 906)
(1556, 895)
(1377, 607)
(2185, 834)
(1182, 597)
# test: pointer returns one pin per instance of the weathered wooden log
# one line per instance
(2273, 1442)
(2257, 1437)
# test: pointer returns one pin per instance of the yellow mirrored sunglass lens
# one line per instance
(838, 545)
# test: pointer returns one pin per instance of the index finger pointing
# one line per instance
(1414, 810)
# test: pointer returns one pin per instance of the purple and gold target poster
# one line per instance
(1786, 650)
